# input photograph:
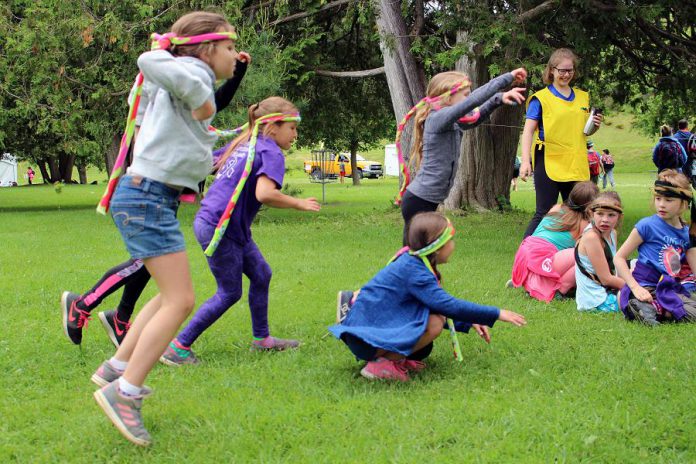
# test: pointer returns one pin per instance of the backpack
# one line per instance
(593, 159)
(668, 154)
(691, 147)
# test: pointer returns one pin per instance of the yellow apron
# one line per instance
(565, 149)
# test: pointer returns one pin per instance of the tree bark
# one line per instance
(53, 169)
(405, 76)
(82, 171)
(44, 171)
(354, 162)
(111, 154)
(66, 164)
(488, 151)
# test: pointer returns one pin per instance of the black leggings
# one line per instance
(547, 191)
(412, 205)
(132, 275)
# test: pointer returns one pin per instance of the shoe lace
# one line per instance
(83, 318)
(126, 325)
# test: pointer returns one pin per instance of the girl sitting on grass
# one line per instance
(597, 283)
(653, 292)
(398, 314)
(544, 263)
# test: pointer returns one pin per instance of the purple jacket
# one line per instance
(665, 293)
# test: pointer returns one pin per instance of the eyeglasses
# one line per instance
(564, 72)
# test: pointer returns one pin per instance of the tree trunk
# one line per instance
(66, 164)
(111, 154)
(405, 76)
(44, 172)
(354, 162)
(82, 171)
(54, 169)
(488, 151)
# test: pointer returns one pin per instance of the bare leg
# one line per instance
(161, 321)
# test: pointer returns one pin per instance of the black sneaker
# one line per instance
(343, 304)
(74, 319)
(643, 312)
(115, 329)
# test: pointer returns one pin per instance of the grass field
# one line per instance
(569, 387)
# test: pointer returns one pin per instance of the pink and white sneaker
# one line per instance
(274, 344)
(411, 365)
(385, 369)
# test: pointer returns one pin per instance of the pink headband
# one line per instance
(165, 41)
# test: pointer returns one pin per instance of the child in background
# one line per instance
(30, 175)
(172, 152)
(449, 108)
(341, 170)
(594, 257)
(237, 252)
(608, 167)
(132, 275)
(653, 292)
(544, 263)
(594, 161)
(397, 315)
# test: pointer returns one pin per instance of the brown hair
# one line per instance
(611, 198)
(575, 209)
(679, 180)
(197, 23)
(665, 130)
(264, 107)
(439, 84)
(424, 229)
(556, 57)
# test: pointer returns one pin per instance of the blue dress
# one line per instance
(391, 312)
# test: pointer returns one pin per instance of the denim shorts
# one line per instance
(144, 211)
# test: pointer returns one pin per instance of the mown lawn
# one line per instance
(568, 387)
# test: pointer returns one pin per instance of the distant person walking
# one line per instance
(594, 162)
(608, 165)
(30, 175)
(557, 114)
(683, 135)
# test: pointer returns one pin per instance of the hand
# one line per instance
(512, 318)
(309, 204)
(597, 120)
(205, 111)
(482, 330)
(244, 57)
(520, 75)
(525, 171)
(642, 294)
(514, 96)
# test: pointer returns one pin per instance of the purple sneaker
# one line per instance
(274, 344)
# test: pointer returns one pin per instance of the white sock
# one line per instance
(128, 388)
(117, 364)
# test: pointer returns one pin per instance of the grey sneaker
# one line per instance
(274, 344)
(509, 284)
(343, 304)
(106, 373)
(124, 412)
(643, 312)
(173, 358)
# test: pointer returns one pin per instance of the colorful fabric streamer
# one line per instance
(159, 42)
(434, 102)
(429, 249)
(225, 218)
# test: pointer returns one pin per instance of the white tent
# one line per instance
(391, 160)
(8, 170)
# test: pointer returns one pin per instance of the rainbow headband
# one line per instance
(162, 42)
(225, 218)
(434, 102)
(667, 189)
(429, 249)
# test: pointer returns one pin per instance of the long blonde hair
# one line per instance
(556, 57)
(438, 85)
(268, 106)
(575, 210)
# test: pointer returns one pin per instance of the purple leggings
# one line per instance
(227, 264)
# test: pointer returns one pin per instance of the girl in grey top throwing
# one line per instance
(449, 108)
